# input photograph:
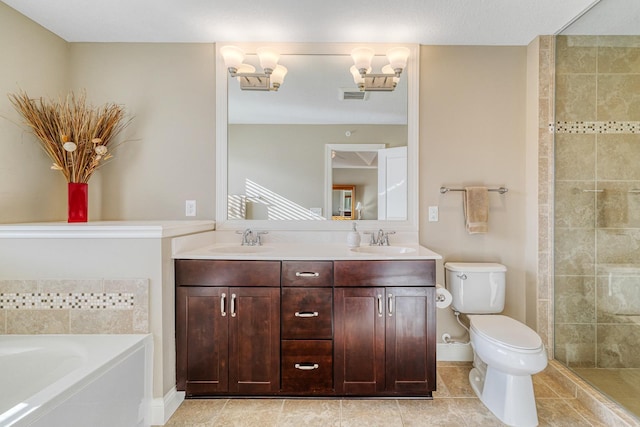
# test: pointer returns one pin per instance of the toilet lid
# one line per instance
(506, 331)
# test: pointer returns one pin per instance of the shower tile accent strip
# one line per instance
(58, 306)
(611, 127)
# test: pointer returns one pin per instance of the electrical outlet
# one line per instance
(433, 214)
(190, 208)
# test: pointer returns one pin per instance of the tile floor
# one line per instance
(454, 404)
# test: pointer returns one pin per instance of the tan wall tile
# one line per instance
(618, 97)
(618, 246)
(574, 251)
(18, 286)
(576, 54)
(37, 321)
(575, 157)
(70, 286)
(618, 157)
(618, 346)
(101, 322)
(575, 344)
(619, 204)
(619, 296)
(576, 97)
(575, 299)
(619, 59)
(573, 206)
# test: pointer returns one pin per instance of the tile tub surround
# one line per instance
(454, 404)
(100, 306)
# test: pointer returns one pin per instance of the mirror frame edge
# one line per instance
(411, 73)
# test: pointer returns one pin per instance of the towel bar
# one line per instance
(500, 190)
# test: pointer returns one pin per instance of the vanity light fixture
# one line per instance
(269, 80)
(387, 81)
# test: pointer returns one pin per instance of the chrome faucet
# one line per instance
(379, 238)
(251, 238)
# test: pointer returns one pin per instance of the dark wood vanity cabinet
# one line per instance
(228, 327)
(306, 328)
(385, 327)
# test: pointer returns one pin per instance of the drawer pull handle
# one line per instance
(390, 304)
(379, 305)
(307, 274)
(223, 304)
(306, 366)
(306, 314)
(233, 305)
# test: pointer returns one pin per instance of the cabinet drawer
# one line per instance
(307, 273)
(227, 273)
(307, 366)
(306, 313)
(385, 273)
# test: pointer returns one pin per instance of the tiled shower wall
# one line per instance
(597, 201)
(100, 306)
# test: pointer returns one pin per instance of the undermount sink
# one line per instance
(238, 249)
(384, 250)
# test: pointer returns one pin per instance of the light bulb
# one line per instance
(233, 57)
(398, 57)
(362, 57)
(268, 59)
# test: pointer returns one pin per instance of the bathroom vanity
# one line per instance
(328, 322)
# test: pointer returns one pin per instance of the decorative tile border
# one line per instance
(71, 300)
(614, 127)
(74, 306)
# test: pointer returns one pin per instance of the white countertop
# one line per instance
(103, 229)
(307, 251)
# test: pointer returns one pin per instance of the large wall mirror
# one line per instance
(273, 146)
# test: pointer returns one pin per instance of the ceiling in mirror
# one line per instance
(313, 92)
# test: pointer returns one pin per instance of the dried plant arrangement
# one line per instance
(77, 137)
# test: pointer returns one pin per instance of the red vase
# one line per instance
(78, 197)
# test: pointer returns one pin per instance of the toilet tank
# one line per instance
(476, 287)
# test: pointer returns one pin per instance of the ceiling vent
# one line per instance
(353, 94)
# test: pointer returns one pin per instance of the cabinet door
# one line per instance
(254, 346)
(359, 340)
(202, 340)
(410, 340)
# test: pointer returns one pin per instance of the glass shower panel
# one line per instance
(597, 202)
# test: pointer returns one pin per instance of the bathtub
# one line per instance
(75, 380)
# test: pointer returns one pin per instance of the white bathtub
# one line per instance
(75, 380)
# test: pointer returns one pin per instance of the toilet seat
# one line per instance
(506, 332)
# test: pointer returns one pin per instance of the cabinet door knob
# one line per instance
(306, 314)
(307, 274)
(390, 304)
(379, 305)
(306, 366)
(223, 305)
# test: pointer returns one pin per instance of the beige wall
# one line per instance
(37, 61)
(472, 131)
(170, 91)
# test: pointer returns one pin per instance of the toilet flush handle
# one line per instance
(462, 276)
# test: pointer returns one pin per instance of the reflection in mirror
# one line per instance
(271, 158)
(343, 201)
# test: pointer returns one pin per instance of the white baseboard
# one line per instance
(454, 352)
(162, 409)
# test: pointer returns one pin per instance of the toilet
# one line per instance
(505, 352)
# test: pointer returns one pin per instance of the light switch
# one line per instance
(433, 214)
